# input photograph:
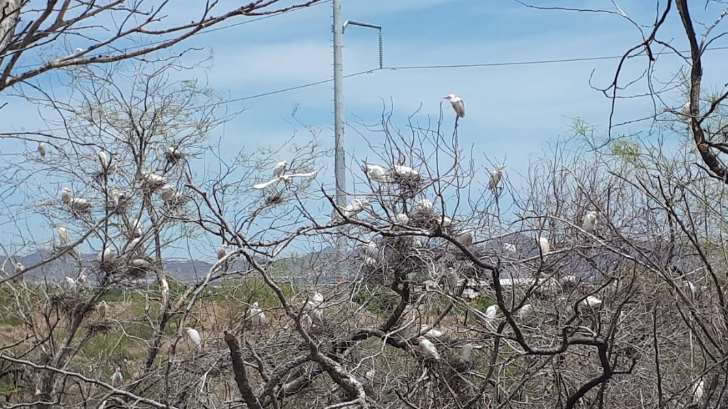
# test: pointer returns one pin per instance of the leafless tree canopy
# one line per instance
(598, 279)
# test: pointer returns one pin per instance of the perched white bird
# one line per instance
(117, 379)
(140, 264)
(76, 204)
(19, 267)
(423, 205)
(458, 105)
(306, 322)
(134, 244)
(279, 168)
(427, 349)
(470, 294)
(509, 247)
(405, 172)
(63, 237)
(257, 316)
(685, 110)
(432, 332)
(82, 278)
(377, 173)
(524, 311)
(466, 354)
(401, 218)
(41, 150)
(590, 221)
(543, 243)
(194, 337)
(70, 284)
(317, 299)
(174, 154)
(103, 160)
(151, 181)
(371, 249)
(118, 199)
(355, 207)
(138, 232)
(164, 289)
(221, 253)
(315, 308)
(495, 178)
(491, 312)
(592, 301)
(102, 308)
(698, 390)
(106, 255)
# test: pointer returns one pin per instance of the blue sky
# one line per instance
(513, 112)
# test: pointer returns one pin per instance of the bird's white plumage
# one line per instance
(510, 247)
(265, 185)
(257, 316)
(432, 332)
(377, 173)
(19, 267)
(70, 284)
(152, 181)
(355, 207)
(698, 391)
(495, 178)
(458, 105)
(592, 301)
(423, 205)
(103, 158)
(117, 379)
(470, 294)
(491, 312)
(279, 168)
(405, 172)
(102, 309)
(106, 255)
(525, 311)
(168, 193)
(194, 337)
(63, 237)
(589, 223)
(41, 150)
(427, 349)
(401, 218)
(544, 244)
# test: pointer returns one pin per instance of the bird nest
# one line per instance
(138, 267)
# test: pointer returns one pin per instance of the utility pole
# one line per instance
(339, 155)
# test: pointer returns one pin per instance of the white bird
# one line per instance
(164, 289)
(592, 301)
(82, 278)
(140, 264)
(509, 247)
(174, 154)
(285, 177)
(257, 316)
(370, 374)
(306, 322)
(194, 337)
(698, 390)
(401, 218)
(102, 308)
(458, 105)
(70, 284)
(134, 244)
(525, 311)
(221, 253)
(19, 267)
(589, 223)
(63, 237)
(355, 207)
(470, 294)
(405, 172)
(694, 290)
(685, 110)
(495, 178)
(371, 249)
(138, 232)
(427, 349)
(377, 173)
(423, 205)
(543, 243)
(117, 379)
(279, 168)
(41, 150)
(151, 181)
(467, 353)
(106, 255)
(491, 312)
(103, 160)
(76, 204)
(432, 332)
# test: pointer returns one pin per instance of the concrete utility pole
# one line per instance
(340, 156)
